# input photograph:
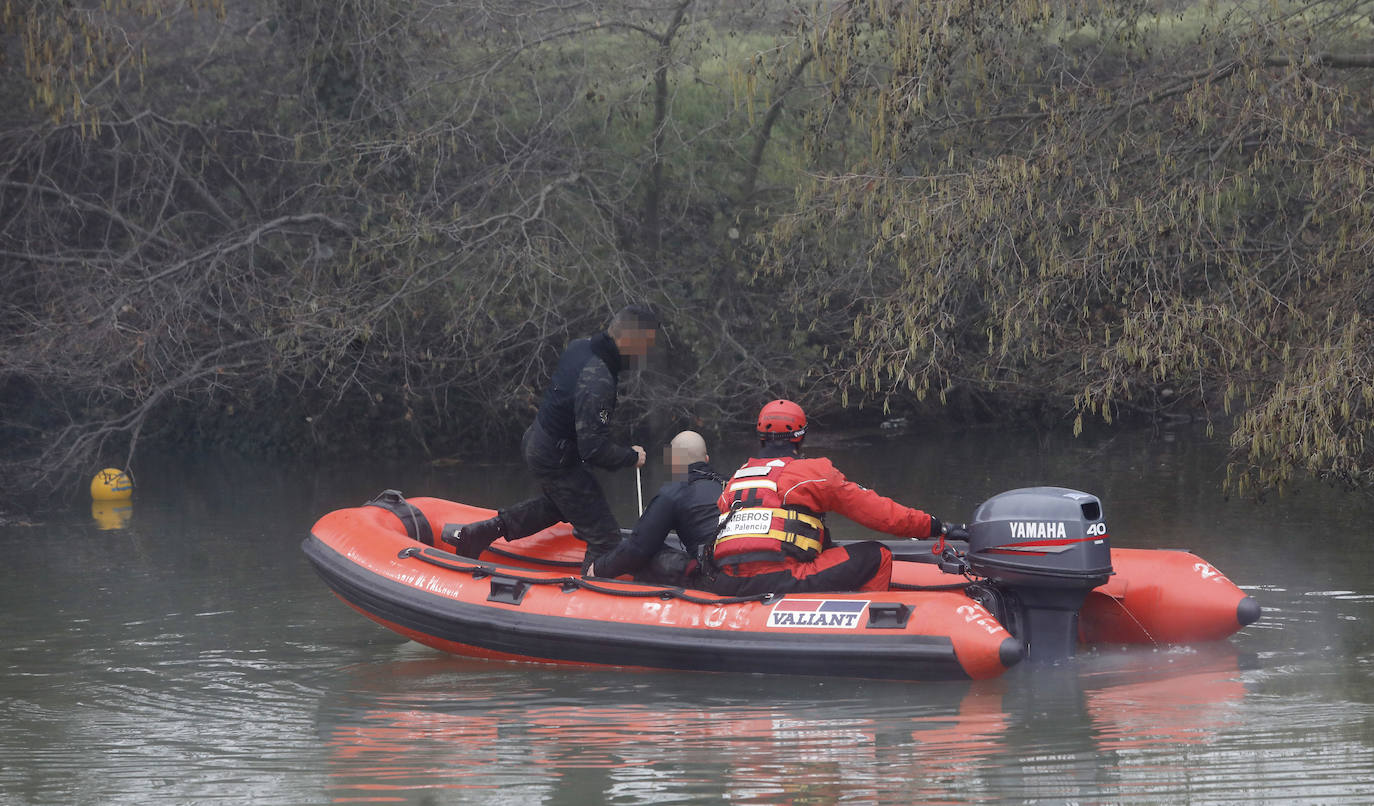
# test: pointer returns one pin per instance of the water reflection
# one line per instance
(399, 730)
(110, 515)
(194, 657)
(1195, 698)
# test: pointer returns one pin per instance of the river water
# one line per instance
(192, 656)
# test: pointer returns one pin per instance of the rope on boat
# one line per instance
(949, 555)
(500, 552)
(570, 583)
(955, 586)
(1128, 612)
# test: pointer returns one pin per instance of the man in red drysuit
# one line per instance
(773, 537)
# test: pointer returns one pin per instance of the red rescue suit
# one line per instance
(775, 539)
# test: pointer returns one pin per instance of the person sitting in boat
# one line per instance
(571, 431)
(773, 537)
(686, 505)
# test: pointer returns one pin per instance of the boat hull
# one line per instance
(526, 601)
(1160, 596)
(502, 610)
(1154, 597)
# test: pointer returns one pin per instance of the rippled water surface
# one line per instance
(192, 656)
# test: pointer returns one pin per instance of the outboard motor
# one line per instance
(1043, 549)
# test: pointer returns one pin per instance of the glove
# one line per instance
(936, 527)
(959, 532)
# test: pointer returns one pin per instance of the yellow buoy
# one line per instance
(111, 484)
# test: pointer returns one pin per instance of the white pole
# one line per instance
(639, 491)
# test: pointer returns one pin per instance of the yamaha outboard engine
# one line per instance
(1043, 549)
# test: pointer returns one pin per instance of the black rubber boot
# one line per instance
(594, 552)
(471, 539)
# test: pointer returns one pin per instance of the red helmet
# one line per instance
(782, 418)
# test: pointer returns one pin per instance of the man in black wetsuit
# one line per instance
(686, 505)
(570, 432)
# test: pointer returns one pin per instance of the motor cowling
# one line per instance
(1042, 549)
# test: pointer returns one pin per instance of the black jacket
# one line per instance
(686, 507)
(573, 423)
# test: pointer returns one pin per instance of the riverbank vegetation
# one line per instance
(370, 225)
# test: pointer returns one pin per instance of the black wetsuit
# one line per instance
(687, 507)
(571, 431)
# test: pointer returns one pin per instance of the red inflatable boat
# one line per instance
(1036, 577)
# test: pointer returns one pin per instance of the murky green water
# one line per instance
(194, 657)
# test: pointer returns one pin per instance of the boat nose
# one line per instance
(1011, 652)
(1248, 611)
